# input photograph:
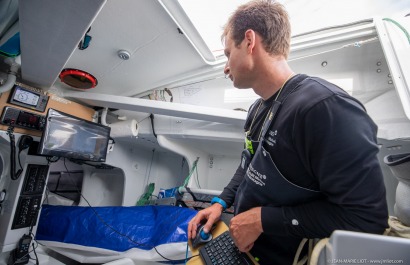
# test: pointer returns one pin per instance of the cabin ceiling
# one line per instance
(161, 50)
(160, 53)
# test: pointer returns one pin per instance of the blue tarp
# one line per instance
(115, 228)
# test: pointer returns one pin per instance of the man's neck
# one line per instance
(271, 77)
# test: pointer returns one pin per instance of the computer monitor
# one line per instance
(67, 136)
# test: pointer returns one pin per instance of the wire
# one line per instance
(10, 132)
(197, 177)
(20, 159)
(186, 253)
(151, 116)
(400, 26)
(190, 173)
(58, 182)
(150, 187)
(143, 119)
(35, 254)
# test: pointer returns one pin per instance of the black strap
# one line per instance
(289, 87)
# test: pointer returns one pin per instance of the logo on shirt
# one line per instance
(255, 176)
(271, 137)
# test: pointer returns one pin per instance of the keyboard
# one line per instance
(222, 250)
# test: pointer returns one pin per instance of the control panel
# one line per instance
(22, 119)
(30, 197)
(28, 98)
(27, 211)
(35, 179)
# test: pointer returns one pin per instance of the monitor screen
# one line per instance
(67, 136)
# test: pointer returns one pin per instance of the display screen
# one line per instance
(71, 137)
(25, 96)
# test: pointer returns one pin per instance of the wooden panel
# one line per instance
(54, 102)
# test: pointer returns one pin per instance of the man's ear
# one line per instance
(250, 39)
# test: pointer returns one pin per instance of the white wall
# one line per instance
(137, 166)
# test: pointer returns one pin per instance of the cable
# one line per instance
(143, 119)
(150, 187)
(185, 184)
(186, 253)
(58, 182)
(151, 116)
(400, 26)
(21, 168)
(10, 132)
(197, 177)
(150, 166)
(35, 254)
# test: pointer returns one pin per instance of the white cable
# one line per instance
(314, 258)
(104, 116)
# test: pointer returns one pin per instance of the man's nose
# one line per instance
(226, 70)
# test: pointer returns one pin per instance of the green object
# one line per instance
(400, 27)
(190, 173)
(145, 198)
(248, 144)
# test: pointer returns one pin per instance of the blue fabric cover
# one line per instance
(140, 227)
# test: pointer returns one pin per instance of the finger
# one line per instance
(208, 225)
(233, 228)
(193, 225)
(201, 215)
(190, 224)
(232, 222)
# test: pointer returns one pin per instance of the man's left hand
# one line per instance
(245, 228)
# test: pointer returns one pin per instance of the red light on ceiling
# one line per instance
(78, 78)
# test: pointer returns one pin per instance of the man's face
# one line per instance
(238, 65)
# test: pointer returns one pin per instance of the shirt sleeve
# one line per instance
(337, 140)
(228, 194)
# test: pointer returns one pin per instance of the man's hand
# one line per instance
(212, 214)
(245, 228)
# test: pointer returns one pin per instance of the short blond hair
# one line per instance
(268, 18)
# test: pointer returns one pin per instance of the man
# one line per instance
(310, 164)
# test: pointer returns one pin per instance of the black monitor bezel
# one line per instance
(66, 153)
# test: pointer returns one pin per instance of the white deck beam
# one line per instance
(159, 107)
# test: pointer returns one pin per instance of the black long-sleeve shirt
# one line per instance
(327, 142)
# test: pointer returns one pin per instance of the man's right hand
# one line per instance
(212, 214)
